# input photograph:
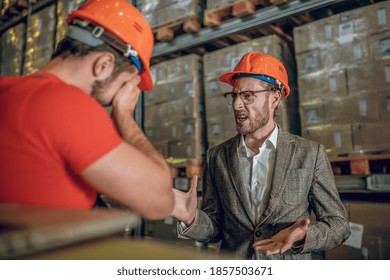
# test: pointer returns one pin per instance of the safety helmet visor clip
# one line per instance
(130, 52)
(97, 31)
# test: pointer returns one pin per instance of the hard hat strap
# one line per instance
(94, 35)
(83, 36)
(263, 78)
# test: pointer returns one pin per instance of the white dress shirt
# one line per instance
(256, 171)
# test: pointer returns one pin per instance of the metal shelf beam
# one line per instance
(263, 17)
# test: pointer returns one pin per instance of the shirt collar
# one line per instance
(244, 151)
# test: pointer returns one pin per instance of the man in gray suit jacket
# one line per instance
(261, 187)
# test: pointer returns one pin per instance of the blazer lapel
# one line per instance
(235, 173)
(284, 155)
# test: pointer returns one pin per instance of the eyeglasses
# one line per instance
(247, 96)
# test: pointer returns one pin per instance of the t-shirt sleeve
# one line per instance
(84, 131)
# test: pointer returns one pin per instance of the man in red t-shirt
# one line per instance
(58, 145)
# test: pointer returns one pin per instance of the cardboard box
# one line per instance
(311, 87)
(177, 129)
(217, 62)
(173, 91)
(220, 128)
(179, 11)
(379, 16)
(12, 42)
(384, 105)
(317, 34)
(375, 240)
(192, 150)
(380, 45)
(360, 107)
(162, 147)
(337, 138)
(309, 62)
(147, 6)
(64, 7)
(368, 76)
(216, 105)
(183, 68)
(181, 108)
(367, 19)
(313, 114)
(371, 137)
(40, 39)
(289, 120)
(357, 50)
(329, 84)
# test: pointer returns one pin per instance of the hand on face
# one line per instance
(283, 240)
(126, 97)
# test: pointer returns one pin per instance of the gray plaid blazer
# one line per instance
(303, 184)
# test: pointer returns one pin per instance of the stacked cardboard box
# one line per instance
(40, 39)
(12, 43)
(64, 7)
(343, 66)
(160, 13)
(174, 109)
(371, 233)
(219, 116)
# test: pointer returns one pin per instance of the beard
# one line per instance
(99, 88)
(260, 120)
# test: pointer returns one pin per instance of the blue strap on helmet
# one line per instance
(137, 62)
(264, 78)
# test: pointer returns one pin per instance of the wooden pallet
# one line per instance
(242, 9)
(185, 168)
(361, 164)
(279, 2)
(167, 32)
(17, 8)
(239, 9)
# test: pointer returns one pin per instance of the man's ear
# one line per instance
(103, 65)
(276, 98)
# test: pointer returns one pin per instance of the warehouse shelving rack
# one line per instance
(261, 18)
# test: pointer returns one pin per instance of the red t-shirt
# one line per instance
(50, 132)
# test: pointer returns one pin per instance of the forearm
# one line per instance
(203, 229)
(132, 134)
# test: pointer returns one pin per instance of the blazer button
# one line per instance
(258, 233)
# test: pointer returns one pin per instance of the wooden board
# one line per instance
(167, 32)
(239, 9)
(361, 164)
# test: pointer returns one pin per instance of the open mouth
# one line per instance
(241, 117)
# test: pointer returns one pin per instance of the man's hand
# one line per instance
(127, 95)
(283, 240)
(186, 203)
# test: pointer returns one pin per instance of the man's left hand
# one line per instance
(283, 240)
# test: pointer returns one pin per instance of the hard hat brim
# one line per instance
(228, 79)
(146, 80)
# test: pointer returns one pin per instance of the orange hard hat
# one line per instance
(261, 66)
(122, 26)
